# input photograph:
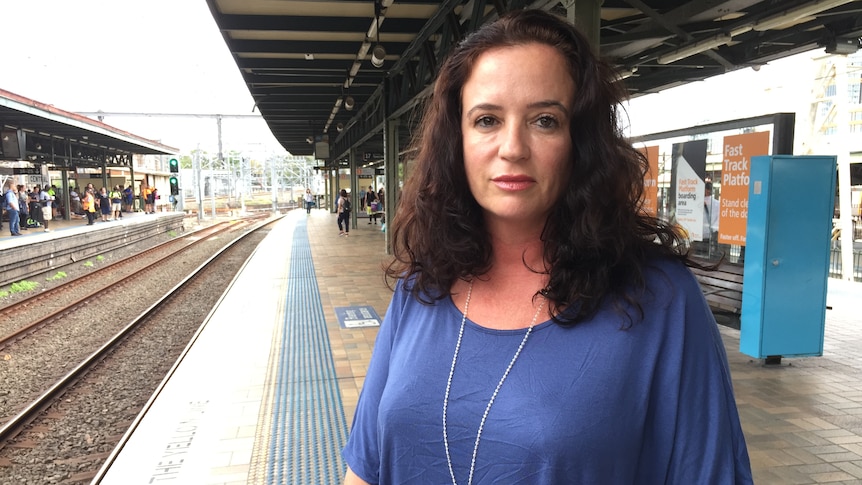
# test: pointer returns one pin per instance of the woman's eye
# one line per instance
(485, 121)
(547, 121)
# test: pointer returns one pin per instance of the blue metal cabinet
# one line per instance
(791, 200)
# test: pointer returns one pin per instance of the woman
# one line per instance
(88, 203)
(309, 201)
(543, 329)
(343, 210)
(104, 203)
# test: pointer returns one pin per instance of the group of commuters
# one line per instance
(27, 209)
(107, 205)
(370, 201)
(544, 328)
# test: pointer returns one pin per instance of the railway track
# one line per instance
(39, 309)
(170, 318)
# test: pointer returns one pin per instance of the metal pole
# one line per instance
(243, 184)
(273, 186)
(196, 169)
(212, 167)
(842, 135)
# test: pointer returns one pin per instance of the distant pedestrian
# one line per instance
(371, 205)
(309, 201)
(116, 202)
(88, 204)
(343, 209)
(23, 210)
(10, 204)
(146, 196)
(129, 198)
(75, 201)
(46, 201)
(154, 197)
(104, 203)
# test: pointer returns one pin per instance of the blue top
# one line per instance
(596, 403)
(9, 198)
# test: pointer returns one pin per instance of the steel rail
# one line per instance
(18, 423)
(11, 309)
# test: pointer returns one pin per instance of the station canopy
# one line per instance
(312, 67)
(40, 133)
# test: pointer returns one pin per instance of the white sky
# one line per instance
(167, 56)
(153, 56)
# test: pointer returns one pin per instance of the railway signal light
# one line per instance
(175, 165)
(175, 185)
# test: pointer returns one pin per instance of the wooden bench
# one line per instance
(722, 288)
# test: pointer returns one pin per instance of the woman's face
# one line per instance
(515, 122)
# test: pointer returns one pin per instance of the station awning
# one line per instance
(44, 134)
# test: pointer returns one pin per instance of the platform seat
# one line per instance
(722, 288)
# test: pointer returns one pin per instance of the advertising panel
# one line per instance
(687, 185)
(737, 153)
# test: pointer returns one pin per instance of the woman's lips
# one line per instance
(513, 182)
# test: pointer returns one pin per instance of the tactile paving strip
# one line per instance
(308, 427)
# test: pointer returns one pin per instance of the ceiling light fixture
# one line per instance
(339, 127)
(627, 73)
(378, 53)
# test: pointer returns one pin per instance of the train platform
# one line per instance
(266, 392)
(75, 225)
(38, 251)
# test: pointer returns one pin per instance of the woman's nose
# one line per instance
(514, 144)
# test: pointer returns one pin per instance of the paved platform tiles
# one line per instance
(802, 419)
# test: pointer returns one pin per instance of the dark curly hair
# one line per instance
(597, 238)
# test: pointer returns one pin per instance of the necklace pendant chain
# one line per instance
(493, 396)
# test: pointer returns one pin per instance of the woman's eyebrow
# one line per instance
(538, 104)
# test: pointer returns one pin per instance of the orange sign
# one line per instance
(735, 169)
(650, 196)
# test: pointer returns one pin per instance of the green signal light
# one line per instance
(174, 164)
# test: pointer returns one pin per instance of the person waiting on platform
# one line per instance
(147, 197)
(46, 201)
(10, 206)
(24, 219)
(88, 204)
(371, 204)
(128, 199)
(343, 210)
(75, 202)
(103, 202)
(544, 328)
(309, 201)
(35, 206)
(116, 197)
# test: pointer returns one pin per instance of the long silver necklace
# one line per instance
(493, 396)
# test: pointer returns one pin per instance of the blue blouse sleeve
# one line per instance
(362, 450)
(709, 446)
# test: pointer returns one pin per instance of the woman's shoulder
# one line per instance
(671, 275)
